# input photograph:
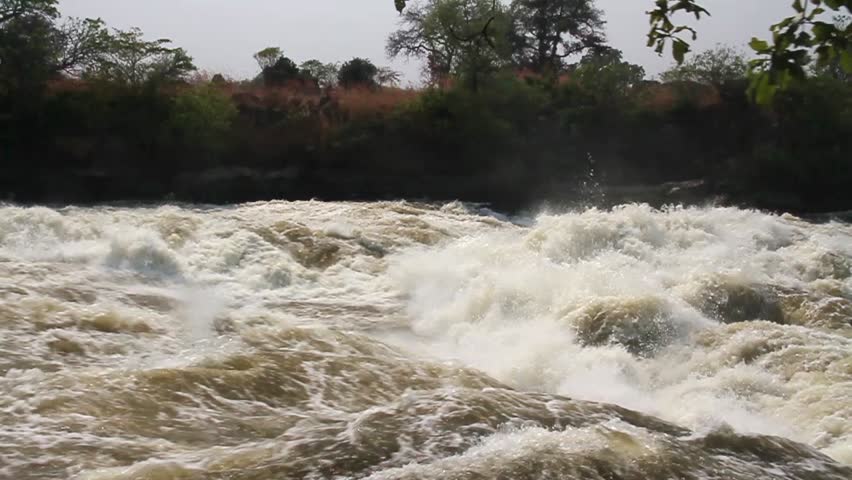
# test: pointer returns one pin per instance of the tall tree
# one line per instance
(267, 57)
(130, 59)
(80, 43)
(282, 72)
(387, 77)
(324, 73)
(466, 38)
(715, 66)
(26, 56)
(15, 9)
(780, 61)
(34, 49)
(546, 32)
(358, 72)
(424, 34)
(605, 75)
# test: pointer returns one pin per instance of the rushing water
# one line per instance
(407, 341)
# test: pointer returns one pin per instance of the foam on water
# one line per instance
(188, 342)
(601, 306)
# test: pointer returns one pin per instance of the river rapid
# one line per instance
(413, 341)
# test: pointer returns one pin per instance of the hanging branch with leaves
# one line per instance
(664, 30)
(795, 40)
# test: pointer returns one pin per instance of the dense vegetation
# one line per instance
(522, 102)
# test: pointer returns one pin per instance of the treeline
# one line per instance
(522, 103)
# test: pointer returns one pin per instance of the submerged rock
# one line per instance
(731, 302)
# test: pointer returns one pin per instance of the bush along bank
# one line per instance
(511, 143)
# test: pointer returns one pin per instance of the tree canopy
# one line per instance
(605, 74)
(715, 66)
(461, 37)
(281, 72)
(795, 39)
(130, 59)
(546, 32)
(267, 57)
(834, 68)
(324, 73)
(15, 9)
(36, 45)
(358, 72)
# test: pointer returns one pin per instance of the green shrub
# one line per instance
(201, 117)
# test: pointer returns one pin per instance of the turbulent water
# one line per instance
(407, 341)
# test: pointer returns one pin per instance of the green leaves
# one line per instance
(716, 66)
(129, 59)
(663, 29)
(202, 117)
(607, 77)
(465, 38)
(546, 32)
(762, 87)
(846, 60)
(324, 73)
(358, 72)
(679, 49)
(779, 62)
(267, 57)
(15, 9)
(758, 45)
(795, 39)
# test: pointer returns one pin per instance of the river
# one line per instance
(396, 340)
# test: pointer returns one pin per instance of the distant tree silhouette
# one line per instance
(358, 72)
(283, 71)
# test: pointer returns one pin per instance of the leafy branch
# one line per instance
(794, 41)
(663, 29)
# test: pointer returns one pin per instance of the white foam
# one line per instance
(515, 299)
(506, 303)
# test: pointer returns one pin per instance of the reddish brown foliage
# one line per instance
(663, 97)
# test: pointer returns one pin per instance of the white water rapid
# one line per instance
(399, 340)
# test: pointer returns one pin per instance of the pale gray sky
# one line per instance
(222, 35)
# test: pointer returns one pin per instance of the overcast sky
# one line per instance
(222, 35)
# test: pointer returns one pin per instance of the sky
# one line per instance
(222, 35)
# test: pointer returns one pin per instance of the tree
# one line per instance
(607, 76)
(202, 117)
(16, 9)
(324, 73)
(466, 38)
(33, 48)
(267, 57)
(833, 68)
(358, 72)
(26, 56)
(80, 43)
(483, 34)
(716, 67)
(548, 31)
(779, 62)
(425, 33)
(131, 60)
(387, 77)
(283, 71)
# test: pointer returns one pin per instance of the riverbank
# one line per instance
(513, 144)
(240, 185)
